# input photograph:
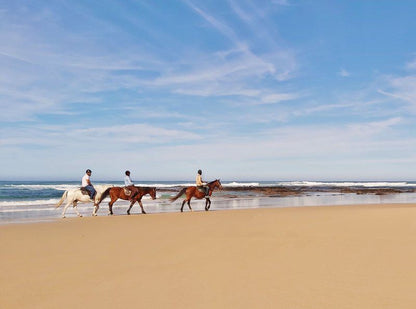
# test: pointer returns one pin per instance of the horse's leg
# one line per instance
(189, 204)
(131, 205)
(183, 203)
(141, 206)
(110, 206)
(66, 206)
(96, 206)
(74, 204)
(207, 204)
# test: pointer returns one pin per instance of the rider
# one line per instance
(201, 185)
(86, 183)
(129, 186)
(127, 180)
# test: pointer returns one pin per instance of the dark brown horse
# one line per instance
(191, 192)
(135, 195)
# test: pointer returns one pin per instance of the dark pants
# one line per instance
(91, 190)
(204, 189)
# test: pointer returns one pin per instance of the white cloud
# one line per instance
(411, 65)
(71, 142)
(344, 73)
(278, 97)
(281, 2)
(222, 27)
(403, 89)
(376, 127)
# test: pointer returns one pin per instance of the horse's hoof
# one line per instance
(128, 214)
(80, 216)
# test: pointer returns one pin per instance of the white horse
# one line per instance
(73, 196)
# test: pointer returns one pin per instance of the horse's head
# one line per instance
(152, 193)
(217, 184)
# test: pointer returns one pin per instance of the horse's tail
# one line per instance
(62, 199)
(172, 199)
(104, 195)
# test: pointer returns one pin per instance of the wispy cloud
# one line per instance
(344, 73)
(222, 27)
(281, 2)
(278, 97)
(54, 74)
(71, 137)
(194, 83)
(411, 65)
(402, 88)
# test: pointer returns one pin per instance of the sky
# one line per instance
(242, 89)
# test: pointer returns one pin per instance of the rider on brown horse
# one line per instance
(201, 185)
(129, 188)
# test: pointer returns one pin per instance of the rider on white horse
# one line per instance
(73, 196)
(86, 183)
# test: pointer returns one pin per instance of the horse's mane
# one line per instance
(145, 188)
(211, 182)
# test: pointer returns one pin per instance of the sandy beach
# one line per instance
(360, 256)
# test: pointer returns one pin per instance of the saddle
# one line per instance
(127, 191)
(84, 191)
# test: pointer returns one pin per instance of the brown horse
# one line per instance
(194, 192)
(135, 195)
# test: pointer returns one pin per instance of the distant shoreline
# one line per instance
(288, 191)
(35, 201)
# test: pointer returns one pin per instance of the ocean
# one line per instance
(34, 201)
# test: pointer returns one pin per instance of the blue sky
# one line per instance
(244, 90)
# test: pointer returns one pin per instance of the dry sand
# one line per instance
(311, 257)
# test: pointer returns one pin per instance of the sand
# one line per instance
(312, 257)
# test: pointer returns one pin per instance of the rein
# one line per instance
(211, 185)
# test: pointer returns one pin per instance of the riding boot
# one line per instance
(206, 192)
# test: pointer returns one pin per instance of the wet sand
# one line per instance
(360, 256)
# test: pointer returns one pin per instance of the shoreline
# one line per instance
(221, 200)
(352, 256)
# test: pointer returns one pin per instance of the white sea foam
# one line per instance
(173, 185)
(164, 185)
(60, 187)
(25, 209)
(347, 184)
(28, 203)
(241, 184)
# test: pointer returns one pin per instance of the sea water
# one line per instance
(32, 201)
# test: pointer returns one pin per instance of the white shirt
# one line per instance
(127, 181)
(84, 181)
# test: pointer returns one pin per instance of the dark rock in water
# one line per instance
(282, 191)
